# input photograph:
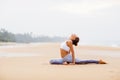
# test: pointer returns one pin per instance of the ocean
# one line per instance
(102, 43)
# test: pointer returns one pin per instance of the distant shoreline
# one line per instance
(81, 46)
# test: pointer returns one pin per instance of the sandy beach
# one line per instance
(31, 62)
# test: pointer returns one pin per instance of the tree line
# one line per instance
(6, 36)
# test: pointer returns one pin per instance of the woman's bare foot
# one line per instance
(102, 62)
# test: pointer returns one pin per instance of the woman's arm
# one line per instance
(71, 50)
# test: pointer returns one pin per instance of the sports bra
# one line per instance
(64, 46)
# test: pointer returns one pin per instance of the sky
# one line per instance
(90, 19)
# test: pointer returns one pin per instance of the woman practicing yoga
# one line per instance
(68, 54)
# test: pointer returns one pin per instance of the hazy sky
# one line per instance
(90, 19)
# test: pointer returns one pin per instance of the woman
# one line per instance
(68, 54)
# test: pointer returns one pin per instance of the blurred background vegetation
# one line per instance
(6, 36)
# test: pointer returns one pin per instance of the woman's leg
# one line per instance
(79, 61)
(56, 61)
(68, 58)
